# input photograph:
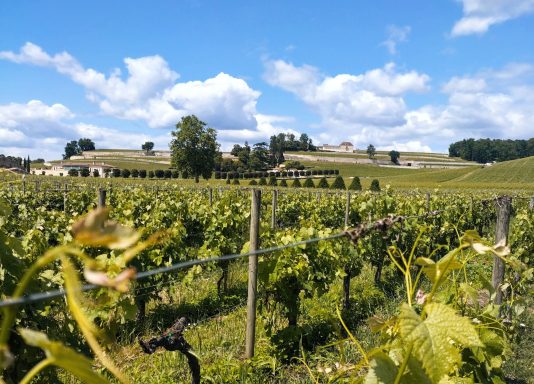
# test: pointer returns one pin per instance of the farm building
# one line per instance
(345, 146)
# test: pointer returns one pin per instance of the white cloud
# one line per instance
(396, 35)
(369, 108)
(150, 92)
(348, 100)
(41, 130)
(480, 15)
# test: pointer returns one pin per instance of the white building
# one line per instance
(63, 169)
(345, 146)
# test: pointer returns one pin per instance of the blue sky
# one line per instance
(410, 75)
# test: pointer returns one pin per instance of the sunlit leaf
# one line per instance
(96, 230)
(63, 357)
(431, 337)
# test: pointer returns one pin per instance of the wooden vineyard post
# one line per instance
(250, 337)
(210, 192)
(531, 204)
(347, 210)
(274, 208)
(65, 198)
(348, 270)
(428, 202)
(101, 198)
(23, 187)
(502, 228)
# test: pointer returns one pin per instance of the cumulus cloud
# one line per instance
(480, 15)
(346, 100)
(41, 130)
(149, 91)
(396, 35)
(370, 108)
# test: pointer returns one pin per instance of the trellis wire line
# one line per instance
(41, 296)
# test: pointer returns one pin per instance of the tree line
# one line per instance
(487, 150)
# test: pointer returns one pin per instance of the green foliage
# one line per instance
(394, 156)
(323, 183)
(296, 183)
(235, 182)
(253, 182)
(262, 181)
(308, 183)
(283, 183)
(375, 186)
(338, 183)
(355, 184)
(194, 147)
(272, 181)
(73, 172)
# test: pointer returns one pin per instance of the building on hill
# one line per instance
(62, 169)
(345, 146)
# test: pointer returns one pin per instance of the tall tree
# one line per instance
(86, 144)
(277, 147)
(394, 156)
(71, 149)
(28, 164)
(194, 147)
(259, 157)
(147, 146)
(371, 151)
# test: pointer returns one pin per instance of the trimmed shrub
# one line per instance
(375, 186)
(125, 173)
(73, 172)
(253, 182)
(290, 173)
(227, 181)
(175, 174)
(142, 173)
(224, 175)
(336, 171)
(309, 183)
(355, 185)
(116, 172)
(323, 183)
(284, 174)
(185, 175)
(135, 172)
(160, 173)
(314, 172)
(262, 181)
(272, 181)
(283, 183)
(320, 172)
(277, 174)
(84, 172)
(151, 174)
(296, 184)
(235, 182)
(168, 173)
(95, 173)
(217, 175)
(308, 173)
(338, 183)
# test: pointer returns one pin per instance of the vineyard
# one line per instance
(276, 285)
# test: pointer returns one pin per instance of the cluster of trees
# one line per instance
(287, 142)
(487, 150)
(256, 158)
(10, 162)
(74, 147)
(393, 155)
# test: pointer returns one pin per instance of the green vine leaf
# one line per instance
(63, 357)
(433, 337)
(382, 369)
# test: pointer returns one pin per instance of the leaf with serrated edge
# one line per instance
(431, 337)
(63, 357)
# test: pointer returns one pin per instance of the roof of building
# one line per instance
(346, 143)
(87, 165)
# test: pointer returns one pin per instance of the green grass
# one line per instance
(381, 155)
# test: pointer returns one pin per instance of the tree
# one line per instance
(355, 185)
(84, 172)
(150, 174)
(86, 144)
(394, 155)
(338, 183)
(73, 172)
(259, 157)
(323, 183)
(375, 186)
(371, 151)
(305, 143)
(116, 172)
(194, 147)
(135, 172)
(296, 183)
(71, 149)
(147, 146)
(277, 147)
(125, 173)
(309, 183)
(142, 173)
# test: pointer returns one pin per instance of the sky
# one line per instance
(412, 75)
